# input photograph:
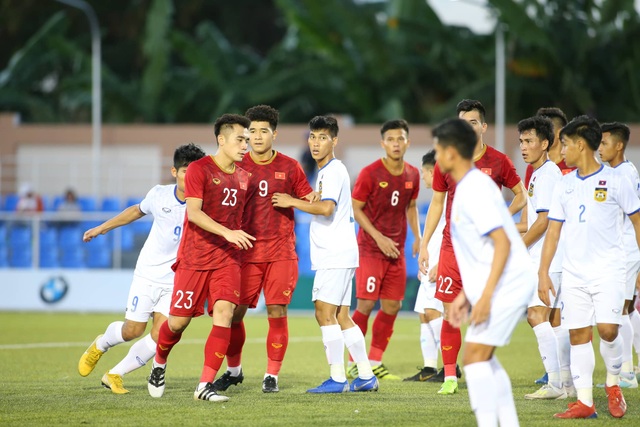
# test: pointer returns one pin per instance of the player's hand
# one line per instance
(481, 310)
(544, 286)
(458, 311)
(281, 200)
(314, 196)
(239, 238)
(388, 247)
(90, 234)
(423, 261)
(415, 248)
(433, 273)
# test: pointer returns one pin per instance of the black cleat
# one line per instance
(156, 382)
(439, 377)
(226, 380)
(424, 374)
(270, 385)
(209, 394)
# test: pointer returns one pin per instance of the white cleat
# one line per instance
(208, 393)
(547, 392)
(571, 391)
(156, 382)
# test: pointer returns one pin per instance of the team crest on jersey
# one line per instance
(408, 185)
(280, 175)
(530, 192)
(600, 194)
(488, 171)
(384, 184)
(216, 181)
(320, 189)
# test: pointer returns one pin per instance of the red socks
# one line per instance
(362, 320)
(214, 351)
(166, 340)
(238, 337)
(381, 330)
(277, 341)
(450, 343)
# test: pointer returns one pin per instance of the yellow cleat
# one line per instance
(90, 358)
(449, 387)
(352, 372)
(382, 373)
(114, 383)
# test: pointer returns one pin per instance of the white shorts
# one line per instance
(426, 298)
(585, 306)
(147, 297)
(556, 279)
(333, 286)
(633, 268)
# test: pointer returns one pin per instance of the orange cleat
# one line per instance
(578, 410)
(617, 404)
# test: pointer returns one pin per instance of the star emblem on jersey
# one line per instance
(408, 185)
(280, 175)
(216, 181)
(600, 194)
(384, 184)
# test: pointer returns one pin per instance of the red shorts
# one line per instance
(449, 284)
(378, 278)
(192, 288)
(277, 278)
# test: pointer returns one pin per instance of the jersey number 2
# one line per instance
(582, 209)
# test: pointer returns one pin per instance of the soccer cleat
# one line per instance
(382, 373)
(330, 386)
(617, 404)
(449, 387)
(424, 374)
(543, 379)
(227, 380)
(114, 383)
(352, 372)
(578, 410)
(547, 391)
(360, 384)
(439, 377)
(89, 359)
(270, 385)
(208, 393)
(631, 382)
(156, 382)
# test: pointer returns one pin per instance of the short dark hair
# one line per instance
(429, 159)
(555, 114)
(186, 154)
(586, 128)
(228, 120)
(618, 130)
(263, 113)
(470, 105)
(324, 122)
(456, 133)
(542, 125)
(394, 124)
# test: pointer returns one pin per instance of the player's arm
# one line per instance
(414, 224)
(433, 217)
(635, 221)
(385, 244)
(125, 217)
(320, 207)
(537, 229)
(197, 216)
(549, 248)
(523, 225)
(519, 198)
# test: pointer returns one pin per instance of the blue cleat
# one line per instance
(543, 379)
(359, 384)
(330, 386)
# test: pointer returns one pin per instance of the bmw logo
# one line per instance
(54, 289)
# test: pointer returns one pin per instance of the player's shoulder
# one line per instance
(241, 172)
(549, 168)
(206, 160)
(493, 153)
(627, 168)
(409, 168)
(373, 166)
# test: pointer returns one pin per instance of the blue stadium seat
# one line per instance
(411, 262)
(99, 257)
(49, 257)
(72, 257)
(423, 208)
(141, 226)
(88, 203)
(21, 257)
(4, 257)
(133, 201)
(70, 236)
(10, 202)
(111, 204)
(20, 237)
(57, 200)
(302, 248)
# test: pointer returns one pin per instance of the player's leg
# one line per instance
(627, 374)
(354, 341)
(564, 351)
(430, 329)
(368, 280)
(634, 318)
(482, 384)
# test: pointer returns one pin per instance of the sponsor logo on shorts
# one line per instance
(276, 345)
(286, 293)
(219, 355)
(384, 184)
(236, 293)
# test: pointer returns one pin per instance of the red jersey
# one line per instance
(223, 199)
(272, 227)
(386, 198)
(493, 163)
(562, 165)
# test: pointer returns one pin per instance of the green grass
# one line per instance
(40, 385)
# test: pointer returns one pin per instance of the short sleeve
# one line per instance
(627, 196)
(332, 181)
(416, 186)
(510, 177)
(146, 205)
(362, 187)
(544, 192)
(301, 187)
(488, 218)
(556, 211)
(439, 182)
(194, 181)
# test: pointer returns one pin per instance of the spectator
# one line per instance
(29, 200)
(70, 202)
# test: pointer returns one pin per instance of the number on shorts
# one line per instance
(582, 209)
(264, 188)
(229, 197)
(134, 303)
(445, 281)
(394, 198)
(188, 303)
(371, 284)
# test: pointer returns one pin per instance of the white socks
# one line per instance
(634, 317)
(564, 355)
(112, 337)
(139, 354)
(354, 341)
(235, 370)
(507, 415)
(612, 354)
(430, 342)
(334, 348)
(483, 390)
(626, 331)
(548, 348)
(583, 362)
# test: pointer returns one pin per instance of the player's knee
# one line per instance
(178, 324)
(239, 313)
(365, 306)
(132, 330)
(608, 333)
(391, 307)
(276, 311)
(534, 317)
(430, 315)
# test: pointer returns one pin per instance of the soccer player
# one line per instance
(615, 137)
(498, 276)
(150, 292)
(208, 262)
(384, 199)
(588, 206)
(272, 264)
(334, 256)
(536, 134)
(428, 307)
(501, 170)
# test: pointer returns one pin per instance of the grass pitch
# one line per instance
(40, 384)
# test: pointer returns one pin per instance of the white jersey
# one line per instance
(477, 210)
(433, 248)
(161, 247)
(333, 238)
(540, 191)
(627, 169)
(592, 208)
